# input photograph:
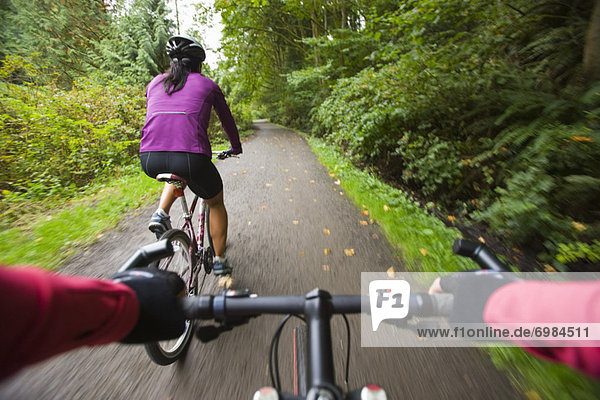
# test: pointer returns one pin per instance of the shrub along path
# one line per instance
(291, 230)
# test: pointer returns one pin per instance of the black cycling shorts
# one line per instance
(197, 169)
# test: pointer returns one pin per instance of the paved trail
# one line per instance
(280, 202)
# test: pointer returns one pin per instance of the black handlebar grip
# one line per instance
(148, 254)
(479, 253)
(197, 307)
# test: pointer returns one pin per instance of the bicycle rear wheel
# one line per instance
(181, 262)
(300, 360)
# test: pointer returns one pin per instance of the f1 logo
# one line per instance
(389, 300)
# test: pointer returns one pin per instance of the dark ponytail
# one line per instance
(178, 73)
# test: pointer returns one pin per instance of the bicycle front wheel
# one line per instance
(181, 262)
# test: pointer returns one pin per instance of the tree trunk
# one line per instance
(591, 50)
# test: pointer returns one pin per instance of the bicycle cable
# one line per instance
(274, 352)
(348, 352)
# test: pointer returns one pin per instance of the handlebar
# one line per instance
(230, 305)
(221, 155)
(479, 253)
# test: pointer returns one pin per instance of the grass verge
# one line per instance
(425, 244)
(49, 238)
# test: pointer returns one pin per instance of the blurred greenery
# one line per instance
(487, 112)
(485, 109)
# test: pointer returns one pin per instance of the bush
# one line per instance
(55, 142)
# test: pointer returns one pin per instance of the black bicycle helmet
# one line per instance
(185, 48)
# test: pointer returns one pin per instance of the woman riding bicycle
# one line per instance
(175, 140)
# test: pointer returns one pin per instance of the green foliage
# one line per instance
(578, 251)
(423, 242)
(49, 237)
(55, 141)
(51, 34)
(538, 378)
(133, 51)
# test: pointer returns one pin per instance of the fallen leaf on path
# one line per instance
(288, 189)
(349, 252)
(338, 182)
(325, 267)
(549, 268)
(341, 193)
(326, 231)
(291, 200)
(364, 223)
(302, 254)
(451, 218)
(262, 207)
(327, 251)
(365, 212)
(249, 223)
(481, 239)
(268, 184)
(243, 172)
(332, 175)
(225, 282)
(286, 170)
(312, 181)
(390, 272)
(295, 222)
(289, 180)
(532, 395)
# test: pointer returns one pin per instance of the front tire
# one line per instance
(181, 262)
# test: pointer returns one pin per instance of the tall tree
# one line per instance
(591, 51)
(134, 51)
(56, 35)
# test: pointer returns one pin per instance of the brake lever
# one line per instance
(209, 333)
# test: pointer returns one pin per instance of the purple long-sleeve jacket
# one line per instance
(179, 122)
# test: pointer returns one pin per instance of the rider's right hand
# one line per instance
(160, 316)
(471, 292)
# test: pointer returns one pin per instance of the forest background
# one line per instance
(485, 112)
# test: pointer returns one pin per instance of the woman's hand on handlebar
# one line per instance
(229, 153)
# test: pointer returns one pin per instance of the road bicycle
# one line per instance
(192, 257)
(313, 367)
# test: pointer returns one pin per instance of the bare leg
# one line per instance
(218, 224)
(167, 198)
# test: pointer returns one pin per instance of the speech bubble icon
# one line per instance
(389, 300)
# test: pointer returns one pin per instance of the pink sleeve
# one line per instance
(533, 302)
(227, 121)
(45, 314)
